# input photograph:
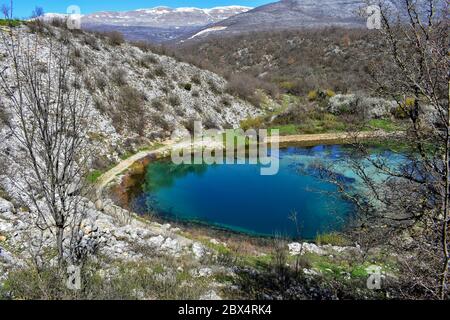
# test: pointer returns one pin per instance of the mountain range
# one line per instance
(164, 24)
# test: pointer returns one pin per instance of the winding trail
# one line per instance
(307, 139)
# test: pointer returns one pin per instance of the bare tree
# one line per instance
(409, 201)
(50, 118)
(37, 12)
(5, 11)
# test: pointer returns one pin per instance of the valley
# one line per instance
(355, 121)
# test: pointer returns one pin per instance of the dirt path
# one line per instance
(110, 175)
(307, 139)
(334, 137)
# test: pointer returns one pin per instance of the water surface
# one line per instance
(238, 198)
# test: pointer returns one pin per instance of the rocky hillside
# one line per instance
(138, 97)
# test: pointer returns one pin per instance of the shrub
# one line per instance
(226, 101)
(58, 22)
(252, 123)
(403, 110)
(147, 60)
(313, 95)
(160, 121)
(330, 93)
(333, 238)
(158, 104)
(196, 79)
(195, 94)
(115, 38)
(159, 72)
(130, 111)
(92, 42)
(187, 86)
(119, 77)
(210, 123)
(189, 124)
(100, 82)
(174, 100)
(213, 87)
(4, 116)
(149, 75)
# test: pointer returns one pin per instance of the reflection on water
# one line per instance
(237, 197)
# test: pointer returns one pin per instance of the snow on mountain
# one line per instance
(160, 17)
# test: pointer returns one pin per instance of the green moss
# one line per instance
(93, 176)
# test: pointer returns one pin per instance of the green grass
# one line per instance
(332, 238)
(384, 124)
(10, 23)
(94, 175)
(327, 124)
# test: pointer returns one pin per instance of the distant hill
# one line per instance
(292, 14)
(158, 24)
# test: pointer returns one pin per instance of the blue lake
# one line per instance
(238, 198)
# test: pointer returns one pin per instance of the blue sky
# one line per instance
(23, 8)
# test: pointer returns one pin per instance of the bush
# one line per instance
(100, 82)
(159, 72)
(174, 100)
(226, 101)
(187, 86)
(330, 93)
(147, 60)
(130, 112)
(313, 95)
(196, 79)
(115, 38)
(158, 104)
(4, 116)
(119, 77)
(402, 111)
(92, 42)
(252, 123)
(334, 239)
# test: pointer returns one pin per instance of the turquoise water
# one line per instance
(238, 198)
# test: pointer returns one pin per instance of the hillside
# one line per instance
(295, 61)
(293, 14)
(138, 97)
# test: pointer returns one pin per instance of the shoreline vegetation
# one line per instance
(112, 178)
(302, 140)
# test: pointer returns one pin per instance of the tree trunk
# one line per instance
(443, 289)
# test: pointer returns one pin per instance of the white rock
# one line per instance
(302, 248)
(198, 250)
(171, 245)
(211, 296)
(156, 242)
